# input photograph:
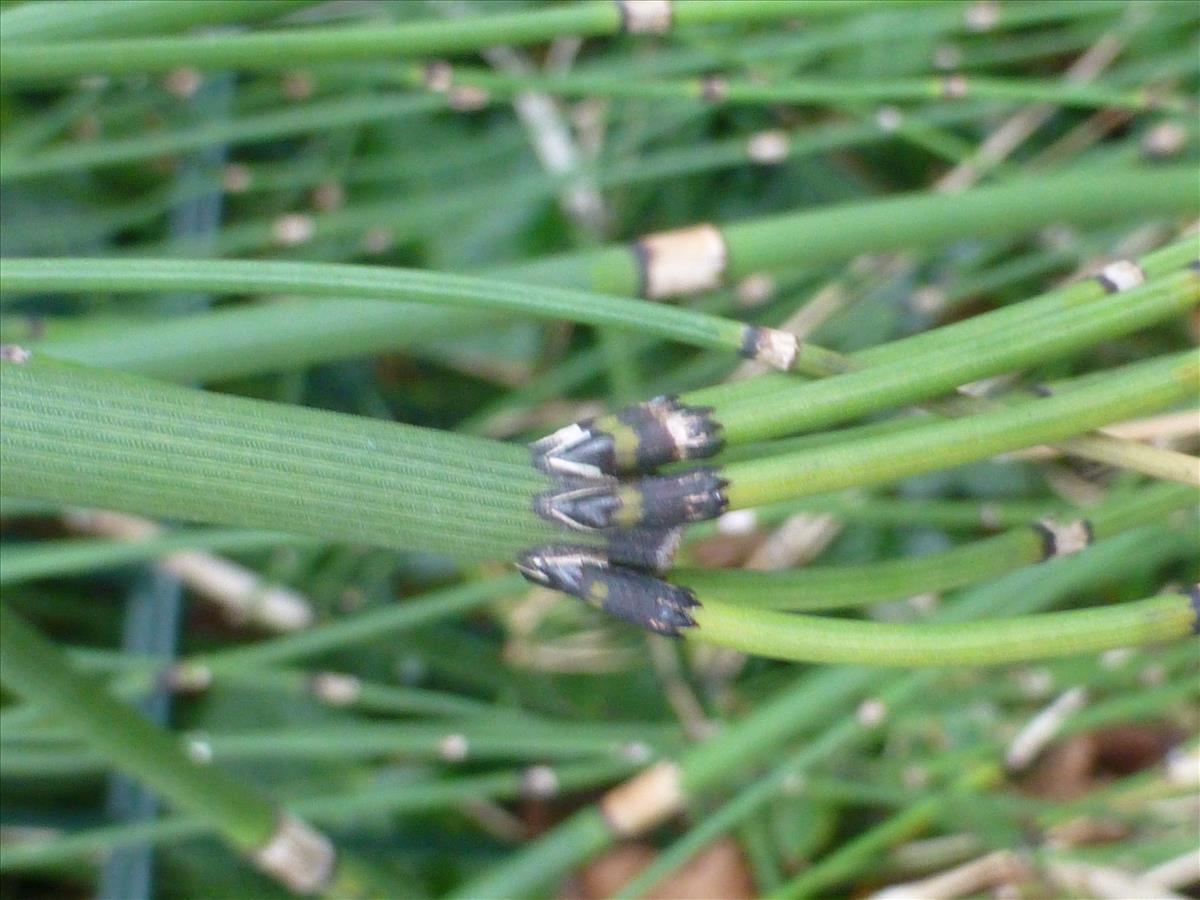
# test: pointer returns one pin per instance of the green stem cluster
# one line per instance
(245, 818)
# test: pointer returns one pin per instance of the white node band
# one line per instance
(680, 262)
(301, 857)
(645, 16)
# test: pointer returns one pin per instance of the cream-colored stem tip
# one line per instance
(301, 857)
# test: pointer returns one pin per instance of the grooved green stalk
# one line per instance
(89, 437)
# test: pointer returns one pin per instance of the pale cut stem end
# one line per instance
(646, 800)
(298, 855)
(645, 16)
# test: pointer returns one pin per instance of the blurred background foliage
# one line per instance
(490, 720)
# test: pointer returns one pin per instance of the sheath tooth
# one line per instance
(578, 450)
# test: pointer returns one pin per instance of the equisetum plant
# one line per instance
(850, 345)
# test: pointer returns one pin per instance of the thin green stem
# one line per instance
(32, 667)
(58, 558)
(283, 49)
(722, 91)
(819, 639)
(843, 231)
(828, 587)
(320, 115)
(54, 22)
(1121, 394)
(1054, 326)
(332, 808)
(234, 341)
(1024, 591)
(812, 699)
(479, 741)
(25, 276)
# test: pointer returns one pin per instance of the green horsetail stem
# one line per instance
(937, 362)
(89, 437)
(280, 845)
(795, 239)
(319, 115)
(721, 91)
(662, 430)
(836, 233)
(812, 705)
(1080, 293)
(802, 638)
(43, 559)
(284, 49)
(236, 340)
(1120, 394)
(814, 588)
(52, 22)
(338, 808)
(25, 276)
(25, 668)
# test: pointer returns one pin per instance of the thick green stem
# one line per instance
(88, 437)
